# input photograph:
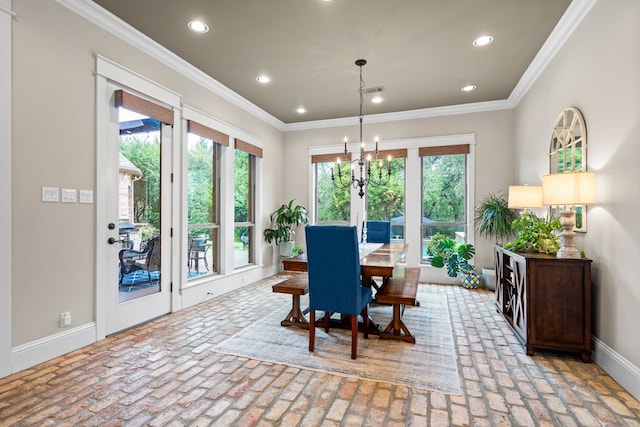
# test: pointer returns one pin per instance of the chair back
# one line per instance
(153, 254)
(378, 231)
(333, 264)
(198, 242)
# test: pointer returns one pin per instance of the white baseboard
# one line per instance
(30, 354)
(619, 368)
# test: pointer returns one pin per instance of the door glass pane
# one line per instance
(138, 206)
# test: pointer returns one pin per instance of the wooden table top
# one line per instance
(374, 257)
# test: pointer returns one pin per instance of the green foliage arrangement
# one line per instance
(433, 244)
(535, 234)
(493, 217)
(454, 257)
(284, 221)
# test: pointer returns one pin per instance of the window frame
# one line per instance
(220, 140)
(438, 151)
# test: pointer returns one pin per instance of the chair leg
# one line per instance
(354, 336)
(312, 330)
(365, 321)
(327, 319)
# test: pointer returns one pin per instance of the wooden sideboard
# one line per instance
(546, 300)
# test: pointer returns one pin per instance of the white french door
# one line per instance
(134, 214)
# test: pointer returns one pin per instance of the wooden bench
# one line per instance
(296, 286)
(399, 291)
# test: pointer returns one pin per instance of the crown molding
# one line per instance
(95, 14)
(569, 21)
(451, 110)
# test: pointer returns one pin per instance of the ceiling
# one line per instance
(419, 51)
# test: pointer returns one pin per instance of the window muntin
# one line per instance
(444, 197)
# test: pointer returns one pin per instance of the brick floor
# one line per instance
(163, 373)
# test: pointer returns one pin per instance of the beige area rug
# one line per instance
(430, 364)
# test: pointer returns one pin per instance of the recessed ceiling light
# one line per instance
(377, 99)
(301, 110)
(262, 78)
(468, 88)
(198, 26)
(483, 41)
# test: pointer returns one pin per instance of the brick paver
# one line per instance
(164, 373)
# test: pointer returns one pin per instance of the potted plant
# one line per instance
(455, 257)
(433, 245)
(493, 219)
(535, 234)
(283, 223)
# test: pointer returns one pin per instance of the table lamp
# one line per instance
(525, 196)
(568, 189)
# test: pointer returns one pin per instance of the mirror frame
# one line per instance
(568, 153)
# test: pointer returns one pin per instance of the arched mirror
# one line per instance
(568, 153)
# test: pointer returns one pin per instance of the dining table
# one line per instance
(376, 260)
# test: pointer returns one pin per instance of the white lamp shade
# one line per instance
(572, 188)
(525, 196)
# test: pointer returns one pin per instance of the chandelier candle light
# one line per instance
(364, 178)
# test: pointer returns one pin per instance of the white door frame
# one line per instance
(107, 74)
(6, 282)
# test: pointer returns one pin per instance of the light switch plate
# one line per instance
(69, 195)
(86, 196)
(50, 194)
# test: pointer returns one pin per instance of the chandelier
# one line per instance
(363, 164)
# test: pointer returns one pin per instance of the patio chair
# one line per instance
(335, 286)
(147, 260)
(198, 251)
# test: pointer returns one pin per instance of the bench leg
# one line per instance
(397, 330)
(295, 316)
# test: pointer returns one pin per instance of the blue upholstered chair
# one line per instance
(378, 231)
(333, 263)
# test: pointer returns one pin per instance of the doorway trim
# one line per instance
(108, 71)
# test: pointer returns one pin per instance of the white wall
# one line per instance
(598, 71)
(53, 144)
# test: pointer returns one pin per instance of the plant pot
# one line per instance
(489, 278)
(470, 280)
(286, 248)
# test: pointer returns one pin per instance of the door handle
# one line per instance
(112, 240)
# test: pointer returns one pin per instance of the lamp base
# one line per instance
(568, 222)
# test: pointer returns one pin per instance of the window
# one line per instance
(444, 193)
(333, 205)
(244, 208)
(386, 202)
(203, 195)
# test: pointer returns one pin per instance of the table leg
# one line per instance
(296, 315)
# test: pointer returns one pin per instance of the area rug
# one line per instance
(429, 364)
